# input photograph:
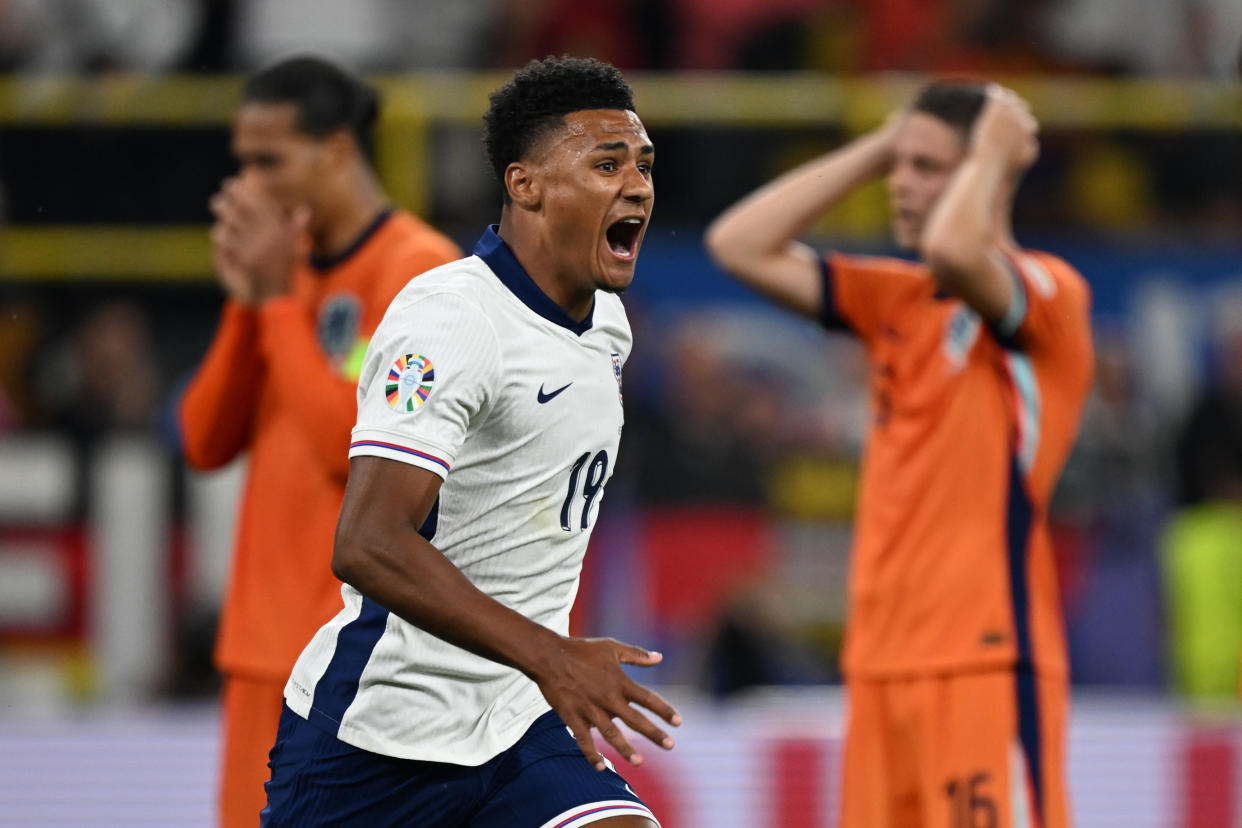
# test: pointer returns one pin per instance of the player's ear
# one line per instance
(522, 183)
(340, 146)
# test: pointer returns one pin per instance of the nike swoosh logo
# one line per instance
(543, 398)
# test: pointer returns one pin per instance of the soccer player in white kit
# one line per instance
(447, 691)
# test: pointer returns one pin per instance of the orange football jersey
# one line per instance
(952, 564)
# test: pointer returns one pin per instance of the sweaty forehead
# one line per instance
(260, 120)
(588, 127)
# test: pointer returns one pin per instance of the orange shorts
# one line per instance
(967, 750)
(251, 716)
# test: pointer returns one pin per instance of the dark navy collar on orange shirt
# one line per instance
(491, 248)
(322, 262)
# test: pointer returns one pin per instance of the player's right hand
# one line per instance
(228, 267)
(254, 241)
(585, 685)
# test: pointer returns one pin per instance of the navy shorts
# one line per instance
(543, 781)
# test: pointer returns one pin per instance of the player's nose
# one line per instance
(636, 186)
(898, 180)
(248, 176)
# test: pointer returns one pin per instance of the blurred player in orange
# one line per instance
(309, 252)
(980, 359)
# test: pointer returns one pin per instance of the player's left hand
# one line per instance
(585, 685)
(1007, 129)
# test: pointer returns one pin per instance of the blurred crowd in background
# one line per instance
(1165, 37)
(727, 523)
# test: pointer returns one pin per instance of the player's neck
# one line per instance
(1004, 237)
(541, 260)
(352, 211)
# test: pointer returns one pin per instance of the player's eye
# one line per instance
(260, 161)
(607, 166)
(644, 168)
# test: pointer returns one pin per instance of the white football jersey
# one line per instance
(476, 375)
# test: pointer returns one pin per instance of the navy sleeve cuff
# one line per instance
(829, 316)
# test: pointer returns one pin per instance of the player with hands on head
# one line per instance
(980, 361)
(309, 252)
(448, 692)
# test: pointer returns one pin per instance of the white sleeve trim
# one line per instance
(379, 443)
(1016, 313)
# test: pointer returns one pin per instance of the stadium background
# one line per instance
(724, 539)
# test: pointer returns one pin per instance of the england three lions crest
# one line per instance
(616, 372)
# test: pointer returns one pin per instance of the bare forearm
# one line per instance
(768, 220)
(968, 233)
(964, 223)
(965, 234)
(408, 576)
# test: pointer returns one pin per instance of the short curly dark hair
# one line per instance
(538, 98)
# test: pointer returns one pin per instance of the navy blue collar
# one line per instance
(491, 248)
(323, 262)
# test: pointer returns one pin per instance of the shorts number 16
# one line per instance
(970, 807)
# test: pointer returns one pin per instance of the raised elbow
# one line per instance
(201, 453)
(725, 247)
(713, 240)
(949, 264)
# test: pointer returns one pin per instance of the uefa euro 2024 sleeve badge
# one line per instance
(410, 381)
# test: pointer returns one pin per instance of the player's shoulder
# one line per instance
(407, 247)
(882, 266)
(459, 284)
(414, 237)
(1048, 274)
(609, 309)
(610, 319)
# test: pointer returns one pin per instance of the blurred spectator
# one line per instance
(93, 35)
(18, 324)
(701, 445)
(1177, 37)
(20, 327)
(1116, 467)
(1203, 543)
(1106, 515)
(102, 376)
(630, 34)
(1202, 550)
(754, 645)
(368, 34)
(211, 50)
(722, 398)
(946, 35)
(742, 34)
(1209, 446)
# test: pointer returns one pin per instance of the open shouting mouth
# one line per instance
(623, 238)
